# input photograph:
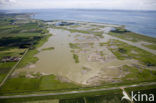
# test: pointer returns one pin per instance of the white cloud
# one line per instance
(7, 1)
(100, 4)
(6, 4)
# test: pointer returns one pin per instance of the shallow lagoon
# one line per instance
(60, 61)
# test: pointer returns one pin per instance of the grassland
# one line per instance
(6, 66)
(122, 33)
(138, 74)
(76, 100)
(115, 98)
(102, 97)
(152, 46)
(16, 36)
(39, 83)
(63, 97)
(99, 34)
(28, 59)
(126, 51)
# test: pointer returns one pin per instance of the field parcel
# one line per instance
(16, 36)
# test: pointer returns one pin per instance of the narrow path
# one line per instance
(76, 92)
(13, 68)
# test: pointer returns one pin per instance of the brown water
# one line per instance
(60, 61)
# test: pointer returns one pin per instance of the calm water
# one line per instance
(143, 22)
(60, 61)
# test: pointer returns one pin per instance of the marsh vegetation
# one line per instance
(50, 48)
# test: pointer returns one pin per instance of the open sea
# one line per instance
(143, 22)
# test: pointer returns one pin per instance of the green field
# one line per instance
(152, 46)
(110, 98)
(6, 66)
(122, 33)
(16, 36)
(39, 83)
(125, 51)
(113, 97)
(138, 75)
(94, 97)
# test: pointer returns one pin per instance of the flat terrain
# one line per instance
(71, 55)
(90, 52)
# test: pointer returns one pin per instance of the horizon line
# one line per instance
(78, 9)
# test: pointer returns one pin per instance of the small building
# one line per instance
(10, 59)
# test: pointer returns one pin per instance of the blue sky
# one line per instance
(89, 4)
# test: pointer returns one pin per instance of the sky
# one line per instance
(82, 4)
